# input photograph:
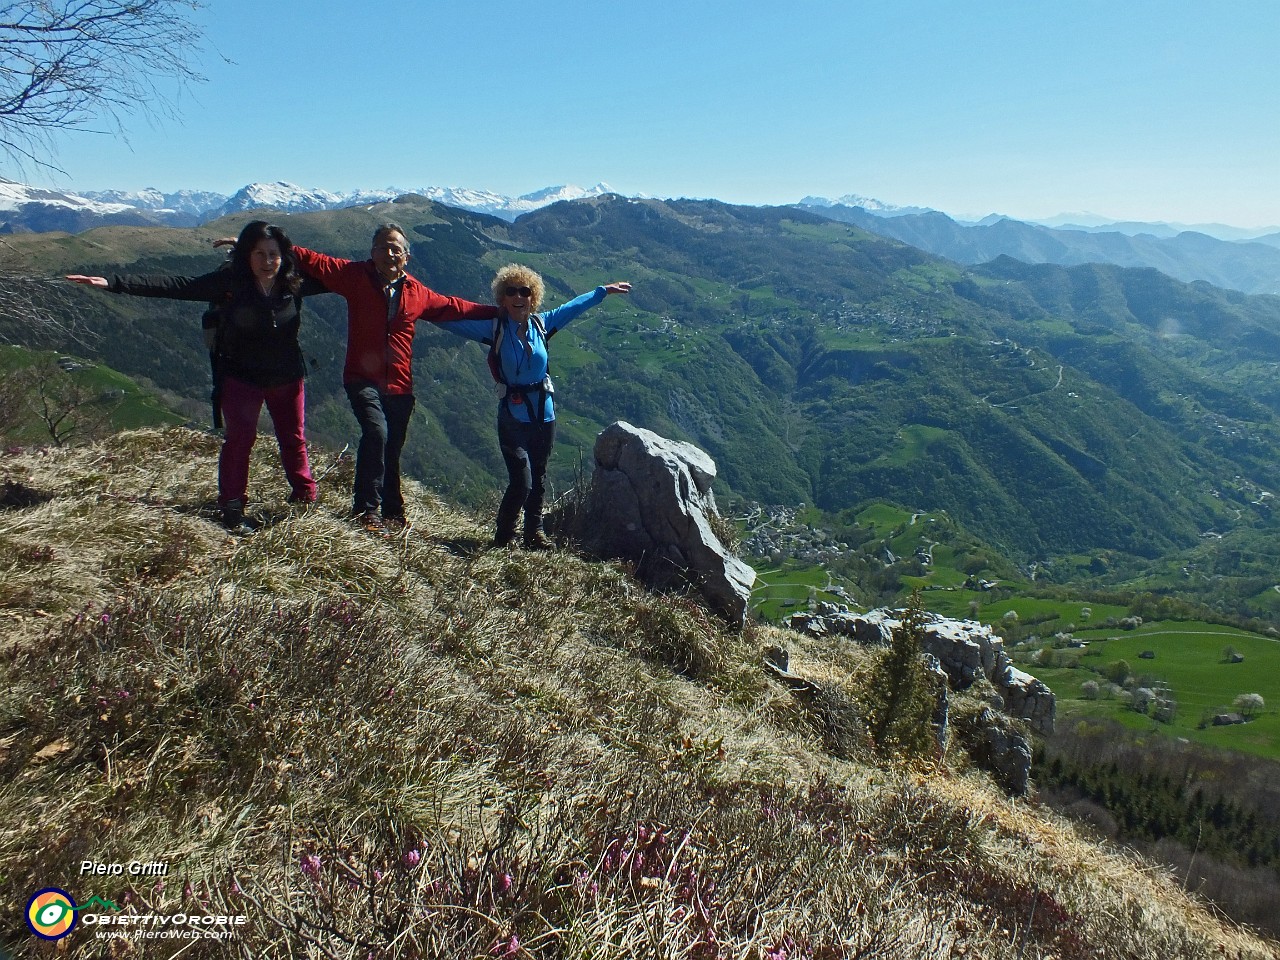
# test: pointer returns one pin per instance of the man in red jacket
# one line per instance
(383, 305)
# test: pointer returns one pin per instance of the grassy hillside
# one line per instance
(415, 747)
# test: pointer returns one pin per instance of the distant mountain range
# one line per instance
(1088, 222)
(1224, 256)
(25, 209)
(1249, 266)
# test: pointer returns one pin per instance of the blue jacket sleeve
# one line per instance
(480, 331)
(553, 320)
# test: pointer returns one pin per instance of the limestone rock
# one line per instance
(999, 747)
(967, 651)
(1028, 698)
(648, 502)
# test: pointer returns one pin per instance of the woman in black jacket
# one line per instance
(257, 299)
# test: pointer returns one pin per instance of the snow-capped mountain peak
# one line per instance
(281, 195)
(869, 204)
(192, 202)
(13, 196)
(29, 208)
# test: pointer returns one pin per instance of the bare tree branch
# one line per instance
(36, 309)
(67, 63)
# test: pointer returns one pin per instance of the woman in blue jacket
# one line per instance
(517, 342)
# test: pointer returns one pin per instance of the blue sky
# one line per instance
(1133, 110)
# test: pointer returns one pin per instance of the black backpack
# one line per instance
(211, 327)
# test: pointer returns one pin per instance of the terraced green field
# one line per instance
(783, 590)
(1189, 657)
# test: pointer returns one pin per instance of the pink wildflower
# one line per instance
(508, 949)
(311, 866)
(412, 858)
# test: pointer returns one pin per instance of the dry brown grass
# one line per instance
(416, 747)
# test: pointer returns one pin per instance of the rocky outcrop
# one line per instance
(649, 501)
(967, 650)
(999, 747)
(962, 653)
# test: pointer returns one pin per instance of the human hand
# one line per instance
(88, 281)
(224, 242)
(617, 288)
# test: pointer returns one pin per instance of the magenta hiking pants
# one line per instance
(241, 405)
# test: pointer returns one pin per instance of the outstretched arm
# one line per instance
(481, 331)
(440, 308)
(335, 273)
(210, 286)
(561, 315)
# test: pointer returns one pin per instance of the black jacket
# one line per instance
(257, 339)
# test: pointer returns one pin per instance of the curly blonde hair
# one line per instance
(518, 275)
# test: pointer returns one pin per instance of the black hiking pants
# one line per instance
(526, 448)
(384, 421)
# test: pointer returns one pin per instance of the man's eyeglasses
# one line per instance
(518, 292)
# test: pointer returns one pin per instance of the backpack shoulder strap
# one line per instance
(495, 342)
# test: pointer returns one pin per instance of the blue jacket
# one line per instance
(523, 366)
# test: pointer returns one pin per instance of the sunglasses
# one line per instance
(518, 292)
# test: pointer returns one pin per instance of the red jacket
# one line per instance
(379, 350)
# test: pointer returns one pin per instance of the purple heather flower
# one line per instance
(311, 865)
(508, 949)
(412, 858)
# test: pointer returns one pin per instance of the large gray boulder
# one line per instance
(648, 502)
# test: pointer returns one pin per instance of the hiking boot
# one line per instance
(502, 539)
(370, 521)
(537, 541)
(396, 524)
(233, 517)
